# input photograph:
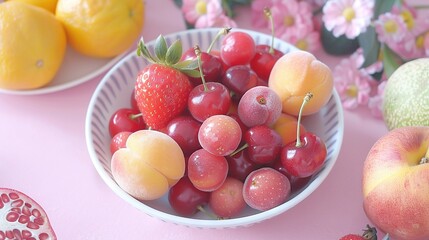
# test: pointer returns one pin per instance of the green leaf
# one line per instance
(174, 53)
(337, 45)
(391, 61)
(383, 6)
(178, 3)
(160, 48)
(187, 65)
(370, 45)
(192, 73)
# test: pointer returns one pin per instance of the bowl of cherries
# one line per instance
(215, 128)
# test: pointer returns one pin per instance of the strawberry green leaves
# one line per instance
(168, 56)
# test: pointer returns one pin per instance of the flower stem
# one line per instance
(307, 98)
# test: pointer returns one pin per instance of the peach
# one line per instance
(286, 126)
(149, 165)
(395, 183)
(297, 73)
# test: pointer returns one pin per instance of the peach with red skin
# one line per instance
(396, 183)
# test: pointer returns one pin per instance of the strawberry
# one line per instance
(369, 233)
(162, 87)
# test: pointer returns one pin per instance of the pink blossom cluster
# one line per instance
(356, 85)
(206, 13)
(293, 21)
(405, 31)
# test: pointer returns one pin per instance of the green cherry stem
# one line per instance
(134, 116)
(223, 31)
(198, 53)
(239, 149)
(268, 14)
(307, 98)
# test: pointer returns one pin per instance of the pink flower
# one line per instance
(218, 21)
(352, 84)
(349, 17)
(426, 44)
(390, 28)
(375, 103)
(416, 23)
(291, 15)
(258, 17)
(307, 39)
(193, 9)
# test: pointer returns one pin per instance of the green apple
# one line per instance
(406, 96)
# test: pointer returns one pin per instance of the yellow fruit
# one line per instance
(32, 46)
(406, 95)
(49, 5)
(297, 73)
(101, 28)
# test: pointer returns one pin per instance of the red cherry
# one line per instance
(264, 144)
(306, 155)
(237, 48)
(209, 99)
(186, 199)
(211, 66)
(184, 130)
(263, 61)
(306, 159)
(119, 141)
(126, 120)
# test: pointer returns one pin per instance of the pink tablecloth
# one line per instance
(43, 154)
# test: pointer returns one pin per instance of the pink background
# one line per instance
(43, 154)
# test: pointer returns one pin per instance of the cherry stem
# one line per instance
(201, 209)
(198, 53)
(223, 31)
(134, 116)
(268, 14)
(239, 149)
(307, 98)
(425, 159)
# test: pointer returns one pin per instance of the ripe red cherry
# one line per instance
(208, 99)
(240, 166)
(306, 155)
(186, 199)
(237, 48)
(239, 79)
(305, 159)
(263, 61)
(119, 141)
(265, 55)
(264, 144)
(126, 120)
(211, 66)
(184, 130)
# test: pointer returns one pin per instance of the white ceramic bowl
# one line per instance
(114, 91)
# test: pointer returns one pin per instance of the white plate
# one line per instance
(75, 69)
(114, 91)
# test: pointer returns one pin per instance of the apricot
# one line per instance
(149, 165)
(294, 75)
(286, 126)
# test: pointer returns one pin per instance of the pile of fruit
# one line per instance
(220, 128)
(34, 35)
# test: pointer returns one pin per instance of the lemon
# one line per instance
(49, 5)
(32, 46)
(101, 28)
(406, 95)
